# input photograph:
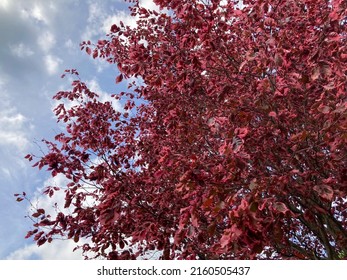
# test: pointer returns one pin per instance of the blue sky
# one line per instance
(39, 39)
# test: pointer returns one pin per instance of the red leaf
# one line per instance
(241, 132)
(95, 53)
(35, 215)
(76, 238)
(29, 157)
(119, 78)
(121, 244)
(333, 16)
(272, 114)
(41, 241)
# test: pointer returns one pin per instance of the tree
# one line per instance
(233, 147)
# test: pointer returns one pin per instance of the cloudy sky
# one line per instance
(39, 39)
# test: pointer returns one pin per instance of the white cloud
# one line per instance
(70, 45)
(4, 4)
(115, 19)
(46, 41)
(57, 250)
(104, 96)
(149, 4)
(6, 172)
(95, 14)
(3, 80)
(13, 130)
(52, 64)
(99, 25)
(20, 50)
(35, 12)
(126, 18)
(12, 138)
(38, 14)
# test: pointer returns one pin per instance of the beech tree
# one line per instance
(231, 143)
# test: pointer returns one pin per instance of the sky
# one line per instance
(39, 39)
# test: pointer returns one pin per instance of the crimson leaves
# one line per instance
(237, 149)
